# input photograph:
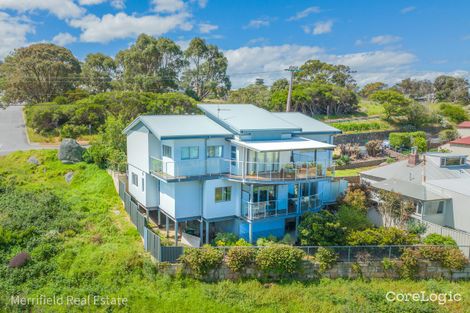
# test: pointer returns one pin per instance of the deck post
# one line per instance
(167, 227)
(207, 232)
(250, 232)
(159, 219)
(201, 233)
(176, 232)
(297, 220)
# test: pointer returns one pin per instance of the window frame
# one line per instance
(225, 194)
(169, 149)
(190, 150)
(135, 179)
(216, 148)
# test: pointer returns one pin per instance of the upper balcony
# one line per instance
(240, 170)
(288, 171)
(283, 207)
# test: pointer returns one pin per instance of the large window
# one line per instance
(135, 179)
(166, 151)
(435, 207)
(223, 194)
(215, 151)
(188, 153)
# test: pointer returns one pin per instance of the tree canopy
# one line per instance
(38, 73)
(206, 71)
(321, 72)
(150, 64)
(98, 71)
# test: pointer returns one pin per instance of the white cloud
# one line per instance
(407, 10)
(13, 31)
(385, 39)
(319, 28)
(61, 8)
(168, 6)
(91, 2)
(257, 23)
(206, 28)
(258, 41)
(122, 25)
(118, 4)
(303, 14)
(202, 3)
(63, 39)
(269, 62)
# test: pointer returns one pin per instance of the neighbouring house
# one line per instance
(459, 146)
(464, 129)
(438, 184)
(237, 168)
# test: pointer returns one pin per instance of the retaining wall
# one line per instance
(310, 271)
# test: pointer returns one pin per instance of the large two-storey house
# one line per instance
(237, 168)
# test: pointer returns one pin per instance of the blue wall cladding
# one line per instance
(274, 227)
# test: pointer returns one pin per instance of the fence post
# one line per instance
(349, 253)
(390, 252)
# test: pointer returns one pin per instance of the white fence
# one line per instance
(462, 238)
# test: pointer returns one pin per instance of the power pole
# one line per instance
(292, 69)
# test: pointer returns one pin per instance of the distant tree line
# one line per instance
(41, 72)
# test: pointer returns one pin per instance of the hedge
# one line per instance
(405, 140)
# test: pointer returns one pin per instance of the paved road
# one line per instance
(12, 131)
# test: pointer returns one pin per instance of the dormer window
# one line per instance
(453, 161)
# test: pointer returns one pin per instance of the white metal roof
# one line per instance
(180, 126)
(408, 189)
(297, 143)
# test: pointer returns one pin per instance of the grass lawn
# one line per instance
(106, 257)
(352, 171)
(371, 108)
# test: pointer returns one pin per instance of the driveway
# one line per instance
(12, 131)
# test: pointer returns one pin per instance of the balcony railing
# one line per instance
(279, 171)
(187, 168)
(264, 209)
(259, 171)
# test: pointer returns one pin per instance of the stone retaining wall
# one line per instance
(310, 271)
(364, 163)
(362, 138)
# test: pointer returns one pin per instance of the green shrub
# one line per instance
(225, 239)
(416, 227)
(361, 126)
(239, 258)
(352, 218)
(356, 197)
(448, 135)
(321, 229)
(73, 131)
(266, 241)
(436, 239)
(405, 140)
(279, 259)
(409, 263)
(420, 143)
(454, 260)
(202, 260)
(381, 236)
(448, 257)
(454, 112)
(326, 259)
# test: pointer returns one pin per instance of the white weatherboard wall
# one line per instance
(167, 198)
(213, 209)
(138, 148)
(188, 199)
(463, 132)
(136, 191)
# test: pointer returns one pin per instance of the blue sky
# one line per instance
(380, 40)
